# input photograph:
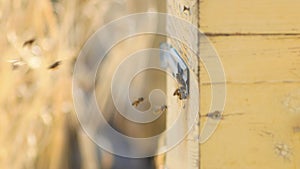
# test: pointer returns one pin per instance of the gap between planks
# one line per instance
(251, 82)
(212, 34)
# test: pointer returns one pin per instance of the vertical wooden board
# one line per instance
(186, 154)
(235, 16)
(186, 10)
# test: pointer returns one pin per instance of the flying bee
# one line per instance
(296, 129)
(16, 63)
(137, 102)
(28, 42)
(54, 65)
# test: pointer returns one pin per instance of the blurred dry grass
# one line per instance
(38, 125)
(36, 111)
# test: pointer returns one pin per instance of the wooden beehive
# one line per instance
(257, 42)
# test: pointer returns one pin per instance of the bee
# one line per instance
(54, 65)
(186, 9)
(217, 115)
(214, 115)
(283, 150)
(29, 42)
(137, 102)
(178, 92)
(296, 129)
(162, 109)
(16, 63)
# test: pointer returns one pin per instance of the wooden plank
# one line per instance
(258, 43)
(258, 59)
(253, 139)
(263, 83)
(186, 10)
(256, 16)
(186, 154)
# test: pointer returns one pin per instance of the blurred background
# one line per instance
(39, 43)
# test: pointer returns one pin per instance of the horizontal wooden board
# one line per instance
(256, 16)
(257, 59)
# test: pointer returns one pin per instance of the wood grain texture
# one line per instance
(258, 43)
(263, 84)
(256, 16)
(186, 154)
(258, 59)
(250, 140)
(186, 10)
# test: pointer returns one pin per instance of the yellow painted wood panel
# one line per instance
(263, 76)
(255, 16)
(264, 85)
(258, 59)
(253, 139)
